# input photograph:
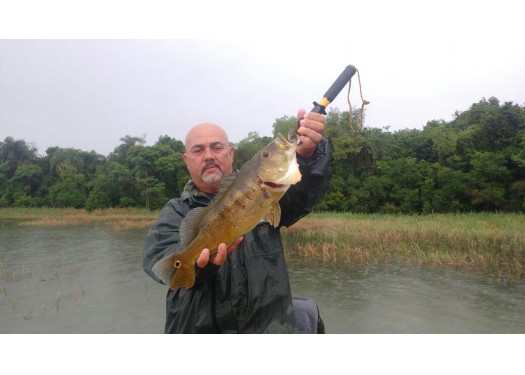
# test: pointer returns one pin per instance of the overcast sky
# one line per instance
(419, 61)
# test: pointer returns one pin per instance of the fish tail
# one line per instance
(176, 271)
(164, 269)
(184, 276)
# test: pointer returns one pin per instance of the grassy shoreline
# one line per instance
(487, 241)
(115, 218)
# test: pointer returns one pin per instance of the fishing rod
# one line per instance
(334, 90)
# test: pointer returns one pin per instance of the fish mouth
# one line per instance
(274, 186)
(290, 142)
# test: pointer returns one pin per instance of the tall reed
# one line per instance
(494, 242)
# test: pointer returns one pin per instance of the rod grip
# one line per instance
(334, 90)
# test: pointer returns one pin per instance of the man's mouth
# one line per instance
(211, 166)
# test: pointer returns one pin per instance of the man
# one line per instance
(245, 287)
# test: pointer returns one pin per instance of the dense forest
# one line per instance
(476, 162)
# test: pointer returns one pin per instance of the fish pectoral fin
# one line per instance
(273, 215)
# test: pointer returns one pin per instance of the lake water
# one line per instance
(90, 280)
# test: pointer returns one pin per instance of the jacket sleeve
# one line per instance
(301, 198)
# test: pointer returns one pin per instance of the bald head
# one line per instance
(206, 128)
(208, 156)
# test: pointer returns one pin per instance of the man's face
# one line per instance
(208, 156)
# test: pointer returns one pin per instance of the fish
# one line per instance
(244, 200)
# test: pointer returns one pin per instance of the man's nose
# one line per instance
(208, 154)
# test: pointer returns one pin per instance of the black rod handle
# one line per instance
(334, 90)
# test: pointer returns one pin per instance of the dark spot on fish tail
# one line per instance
(177, 264)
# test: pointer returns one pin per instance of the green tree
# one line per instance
(403, 178)
(169, 167)
(120, 153)
(25, 182)
(282, 125)
(70, 191)
(444, 139)
(442, 188)
(14, 153)
(350, 154)
(488, 180)
(111, 187)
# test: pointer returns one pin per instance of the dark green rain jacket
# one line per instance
(250, 292)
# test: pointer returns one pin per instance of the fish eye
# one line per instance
(265, 154)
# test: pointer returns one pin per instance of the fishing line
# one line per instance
(363, 103)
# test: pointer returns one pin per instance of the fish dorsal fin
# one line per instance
(273, 215)
(190, 226)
